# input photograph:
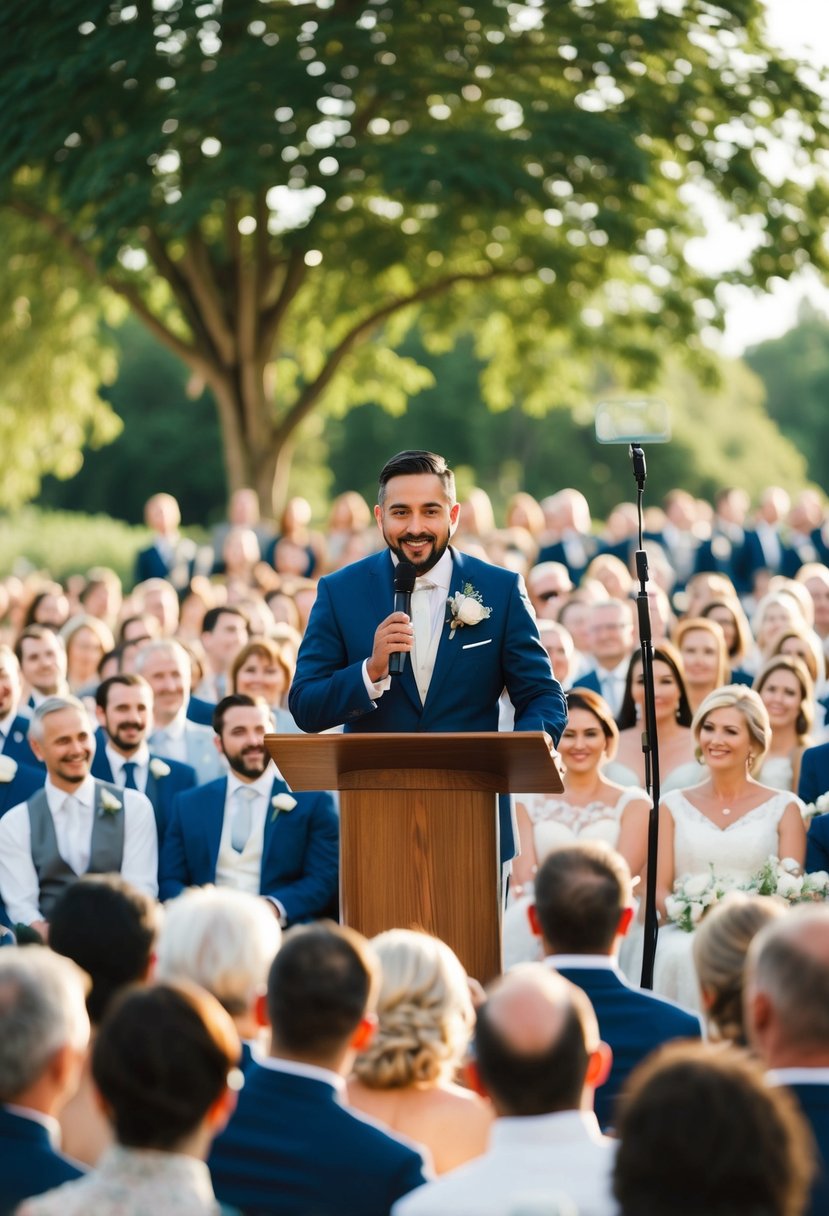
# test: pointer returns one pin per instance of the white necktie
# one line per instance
(422, 625)
(243, 800)
(76, 847)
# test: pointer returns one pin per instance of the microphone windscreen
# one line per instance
(404, 577)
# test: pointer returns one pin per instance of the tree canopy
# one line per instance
(280, 190)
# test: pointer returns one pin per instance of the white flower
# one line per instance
(789, 887)
(818, 881)
(281, 802)
(466, 608)
(674, 907)
(696, 885)
(8, 768)
(158, 768)
(790, 866)
(696, 911)
(109, 803)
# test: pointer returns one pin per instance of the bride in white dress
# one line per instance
(591, 808)
(677, 766)
(729, 823)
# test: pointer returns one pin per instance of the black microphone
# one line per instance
(404, 581)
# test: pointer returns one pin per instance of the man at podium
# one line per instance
(469, 634)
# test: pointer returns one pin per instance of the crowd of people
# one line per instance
(160, 884)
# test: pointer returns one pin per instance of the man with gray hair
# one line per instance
(787, 1020)
(44, 1034)
(74, 825)
(165, 666)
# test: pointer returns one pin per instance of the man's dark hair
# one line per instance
(211, 617)
(536, 1083)
(33, 631)
(161, 1059)
(109, 929)
(406, 463)
(321, 983)
(128, 678)
(701, 1131)
(233, 701)
(581, 891)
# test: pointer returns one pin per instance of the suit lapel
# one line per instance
(382, 596)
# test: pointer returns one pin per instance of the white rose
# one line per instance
(790, 866)
(109, 802)
(158, 768)
(8, 768)
(696, 913)
(283, 802)
(789, 886)
(470, 611)
(696, 885)
(673, 907)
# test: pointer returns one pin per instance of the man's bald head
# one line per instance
(787, 989)
(535, 1036)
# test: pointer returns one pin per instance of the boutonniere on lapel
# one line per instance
(281, 802)
(466, 608)
(159, 769)
(8, 768)
(110, 805)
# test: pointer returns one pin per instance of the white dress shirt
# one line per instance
(440, 576)
(140, 758)
(529, 1160)
(612, 683)
(19, 886)
(173, 745)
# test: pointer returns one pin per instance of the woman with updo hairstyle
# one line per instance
(720, 947)
(406, 1076)
(165, 1066)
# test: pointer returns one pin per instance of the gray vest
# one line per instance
(106, 845)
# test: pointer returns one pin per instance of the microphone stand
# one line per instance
(650, 745)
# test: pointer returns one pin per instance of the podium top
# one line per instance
(508, 763)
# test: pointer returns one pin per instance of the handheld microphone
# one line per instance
(404, 581)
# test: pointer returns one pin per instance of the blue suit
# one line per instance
(161, 791)
(200, 711)
(632, 1022)
(470, 672)
(16, 743)
(813, 1101)
(28, 1163)
(293, 1149)
(300, 853)
(814, 781)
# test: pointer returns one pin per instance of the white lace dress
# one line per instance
(736, 852)
(557, 822)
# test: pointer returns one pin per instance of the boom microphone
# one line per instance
(404, 581)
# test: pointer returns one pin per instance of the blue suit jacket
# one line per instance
(16, 743)
(814, 781)
(471, 669)
(292, 1148)
(200, 711)
(161, 791)
(300, 855)
(28, 1163)
(814, 1103)
(632, 1022)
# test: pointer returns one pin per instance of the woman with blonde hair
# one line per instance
(406, 1076)
(788, 694)
(720, 947)
(701, 643)
(87, 639)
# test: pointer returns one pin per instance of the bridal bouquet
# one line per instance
(784, 879)
(811, 810)
(693, 895)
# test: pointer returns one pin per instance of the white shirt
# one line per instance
(441, 577)
(798, 1076)
(528, 1160)
(612, 683)
(174, 745)
(140, 758)
(19, 886)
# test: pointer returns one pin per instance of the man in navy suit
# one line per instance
(44, 1033)
(171, 555)
(787, 1020)
(814, 782)
(14, 727)
(293, 1145)
(165, 666)
(248, 831)
(124, 708)
(472, 631)
(583, 908)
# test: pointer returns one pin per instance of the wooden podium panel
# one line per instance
(419, 843)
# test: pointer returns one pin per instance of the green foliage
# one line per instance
(270, 187)
(63, 543)
(795, 372)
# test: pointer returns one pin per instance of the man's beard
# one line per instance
(122, 743)
(427, 563)
(239, 764)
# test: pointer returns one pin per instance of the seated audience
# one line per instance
(406, 1076)
(701, 645)
(787, 691)
(165, 666)
(163, 1063)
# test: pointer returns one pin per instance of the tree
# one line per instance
(280, 190)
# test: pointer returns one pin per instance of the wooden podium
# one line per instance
(419, 843)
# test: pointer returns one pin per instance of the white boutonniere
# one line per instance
(8, 768)
(110, 805)
(812, 809)
(158, 768)
(281, 802)
(466, 608)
